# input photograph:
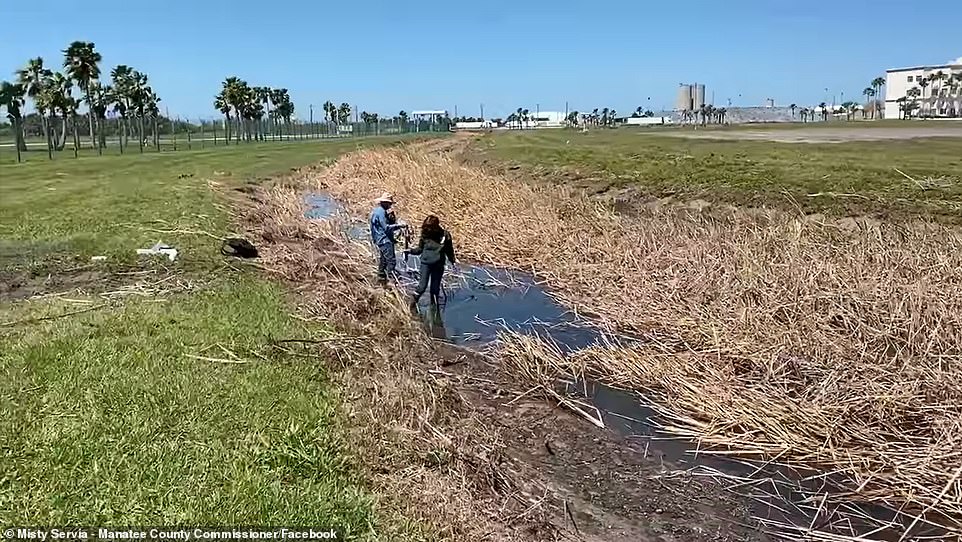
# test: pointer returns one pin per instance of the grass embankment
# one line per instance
(107, 417)
(778, 335)
(854, 178)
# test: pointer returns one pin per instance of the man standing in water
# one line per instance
(382, 234)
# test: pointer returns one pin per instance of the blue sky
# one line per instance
(389, 55)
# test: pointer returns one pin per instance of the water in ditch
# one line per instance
(479, 301)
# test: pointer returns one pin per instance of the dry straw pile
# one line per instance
(773, 334)
(430, 459)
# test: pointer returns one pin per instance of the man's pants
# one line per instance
(432, 273)
(386, 262)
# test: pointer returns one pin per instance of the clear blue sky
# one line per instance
(385, 56)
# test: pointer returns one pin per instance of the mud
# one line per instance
(17, 285)
(601, 486)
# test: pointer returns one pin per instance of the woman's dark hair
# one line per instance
(431, 228)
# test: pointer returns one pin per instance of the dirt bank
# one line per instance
(456, 441)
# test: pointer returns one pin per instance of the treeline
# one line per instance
(128, 94)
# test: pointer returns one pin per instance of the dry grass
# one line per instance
(776, 335)
(430, 460)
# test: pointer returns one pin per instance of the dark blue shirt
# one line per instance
(381, 231)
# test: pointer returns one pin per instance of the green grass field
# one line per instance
(108, 416)
(852, 178)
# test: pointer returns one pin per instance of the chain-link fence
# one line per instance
(58, 138)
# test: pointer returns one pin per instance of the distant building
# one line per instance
(539, 119)
(937, 99)
(546, 119)
(690, 97)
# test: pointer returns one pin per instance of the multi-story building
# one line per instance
(939, 96)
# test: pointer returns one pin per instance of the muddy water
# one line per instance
(477, 302)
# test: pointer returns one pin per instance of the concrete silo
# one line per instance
(683, 103)
(697, 96)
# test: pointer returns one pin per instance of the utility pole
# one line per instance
(312, 120)
(482, 111)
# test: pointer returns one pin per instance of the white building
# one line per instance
(539, 119)
(937, 99)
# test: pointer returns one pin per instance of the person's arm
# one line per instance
(416, 251)
(449, 247)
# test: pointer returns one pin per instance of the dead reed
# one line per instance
(779, 336)
(429, 460)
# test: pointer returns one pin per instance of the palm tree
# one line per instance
(263, 95)
(123, 78)
(910, 103)
(901, 101)
(792, 107)
(869, 92)
(877, 85)
(823, 107)
(231, 95)
(61, 100)
(35, 79)
(283, 107)
(152, 109)
(99, 98)
(938, 77)
(330, 115)
(140, 95)
(403, 119)
(922, 84)
(343, 113)
(69, 107)
(82, 61)
(12, 99)
(957, 90)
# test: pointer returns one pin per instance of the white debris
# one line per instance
(159, 249)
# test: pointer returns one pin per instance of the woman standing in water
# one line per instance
(435, 249)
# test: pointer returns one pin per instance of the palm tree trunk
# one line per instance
(76, 136)
(46, 125)
(156, 136)
(21, 145)
(90, 118)
(63, 133)
(140, 135)
(102, 136)
(123, 133)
